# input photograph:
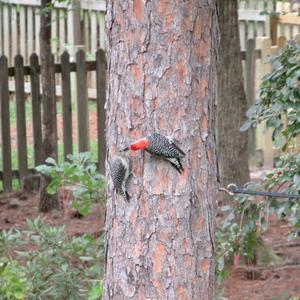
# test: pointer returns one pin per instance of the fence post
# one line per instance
(82, 103)
(36, 108)
(22, 37)
(14, 30)
(102, 29)
(66, 103)
(250, 88)
(37, 19)
(30, 16)
(21, 117)
(6, 32)
(264, 67)
(274, 29)
(242, 26)
(5, 125)
(101, 86)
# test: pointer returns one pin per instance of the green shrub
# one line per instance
(13, 282)
(54, 267)
(80, 173)
(239, 233)
(279, 96)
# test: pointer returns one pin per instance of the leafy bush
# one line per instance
(13, 282)
(279, 96)
(55, 267)
(239, 234)
(79, 172)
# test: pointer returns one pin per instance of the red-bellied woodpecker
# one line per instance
(120, 171)
(161, 146)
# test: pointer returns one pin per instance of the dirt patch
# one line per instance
(269, 282)
(16, 208)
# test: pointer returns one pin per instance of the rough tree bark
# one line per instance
(161, 77)
(231, 99)
(47, 201)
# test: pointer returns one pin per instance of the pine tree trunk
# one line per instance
(162, 77)
(231, 99)
(47, 201)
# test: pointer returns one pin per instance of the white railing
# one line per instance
(20, 21)
(253, 23)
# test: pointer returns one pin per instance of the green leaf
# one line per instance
(246, 125)
(95, 292)
(296, 179)
(51, 161)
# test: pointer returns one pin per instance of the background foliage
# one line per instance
(41, 262)
(239, 233)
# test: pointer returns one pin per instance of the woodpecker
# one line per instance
(162, 146)
(120, 172)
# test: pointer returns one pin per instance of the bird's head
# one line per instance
(141, 144)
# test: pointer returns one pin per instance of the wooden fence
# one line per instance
(256, 59)
(18, 73)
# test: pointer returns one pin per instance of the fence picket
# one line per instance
(264, 67)
(66, 103)
(14, 29)
(37, 30)
(102, 30)
(30, 30)
(5, 125)
(36, 109)
(250, 87)
(260, 25)
(101, 85)
(82, 102)
(54, 32)
(54, 112)
(86, 28)
(6, 32)
(21, 117)
(22, 39)
(62, 34)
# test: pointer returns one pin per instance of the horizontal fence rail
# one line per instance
(267, 18)
(20, 74)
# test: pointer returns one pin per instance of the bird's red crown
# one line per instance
(139, 145)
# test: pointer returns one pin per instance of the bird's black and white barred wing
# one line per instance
(164, 146)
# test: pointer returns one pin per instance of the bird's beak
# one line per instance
(124, 149)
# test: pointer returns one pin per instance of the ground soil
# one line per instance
(16, 208)
(268, 283)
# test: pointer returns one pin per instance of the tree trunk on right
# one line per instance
(231, 99)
